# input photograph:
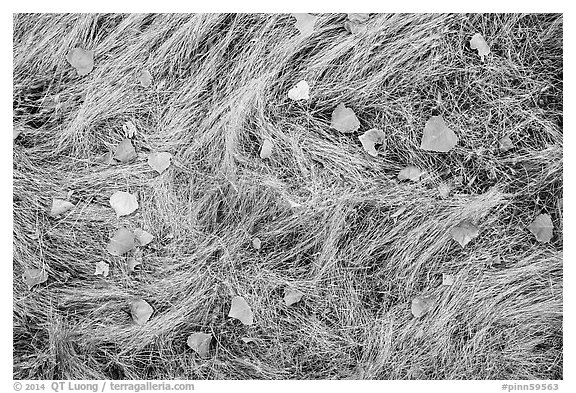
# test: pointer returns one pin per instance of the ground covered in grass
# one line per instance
(360, 244)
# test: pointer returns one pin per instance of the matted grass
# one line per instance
(219, 88)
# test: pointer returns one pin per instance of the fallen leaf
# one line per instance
(141, 311)
(200, 343)
(132, 263)
(410, 173)
(464, 232)
(478, 42)
(437, 136)
(106, 158)
(256, 243)
(34, 277)
(143, 237)
(292, 296)
(444, 190)
(344, 119)
(82, 60)
(371, 138)
(60, 206)
(241, 311)
(354, 27)
(422, 304)
(299, 92)
(159, 161)
(123, 203)
(17, 132)
(248, 339)
(129, 129)
(125, 152)
(304, 24)
(266, 149)
(102, 269)
(358, 17)
(145, 78)
(506, 143)
(447, 279)
(542, 228)
(121, 242)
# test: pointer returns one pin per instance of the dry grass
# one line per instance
(220, 84)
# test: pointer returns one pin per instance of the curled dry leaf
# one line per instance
(125, 151)
(132, 263)
(447, 279)
(266, 149)
(82, 60)
(200, 343)
(145, 78)
(247, 340)
(506, 144)
(240, 310)
(159, 161)
(292, 296)
(299, 92)
(141, 311)
(34, 277)
(344, 120)
(121, 242)
(542, 228)
(60, 206)
(304, 24)
(129, 129)
(256, 243)
(437, 136)
(411, 172)
(142, 237)
(422, 304)
(102, 269)
(371, 138)
(123, 203)
(478, 42)
(464, 232)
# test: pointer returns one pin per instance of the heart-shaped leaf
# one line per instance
(240, 310)
(299, 92)
(542, 228)
(159, 161)
(437, 136)
(200, 343)
(411, 172)
(304, 24)
(142, 237)
(371, 138)
(34, 277)
(145, 78)
(464, 232)
(478, 42)
(422, 304)
(125, 152)
(82, 60)
(121, 242)
(292, 296)
(344, 119)
(266, 149)
(102, 269)
(60, 206)
(123, 203)
(141, 311)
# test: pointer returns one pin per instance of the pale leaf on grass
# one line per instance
(437, 136)
(82, 60)
(505, 144)
(447, 279)
(370, 139)
(125, 151)
(256, 243)
(247, 340)
(132, 263)
(305, 24)
(358, 17)
(123, 203)
(141, 311)
(240, 310)
(444, 190)
(266, 149)
(344, 120)
(145, 78)
(121, 242)
(142, 237)
(422, 305)
(464, 232)
(60, 206)
(102, 269)
(479, 43)
(542, 228)
(299, 92)
(129, 129)
(106, 158)
(292, 296)
(411, 172)
(159, 161)
(200, 343)
(34, 277)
